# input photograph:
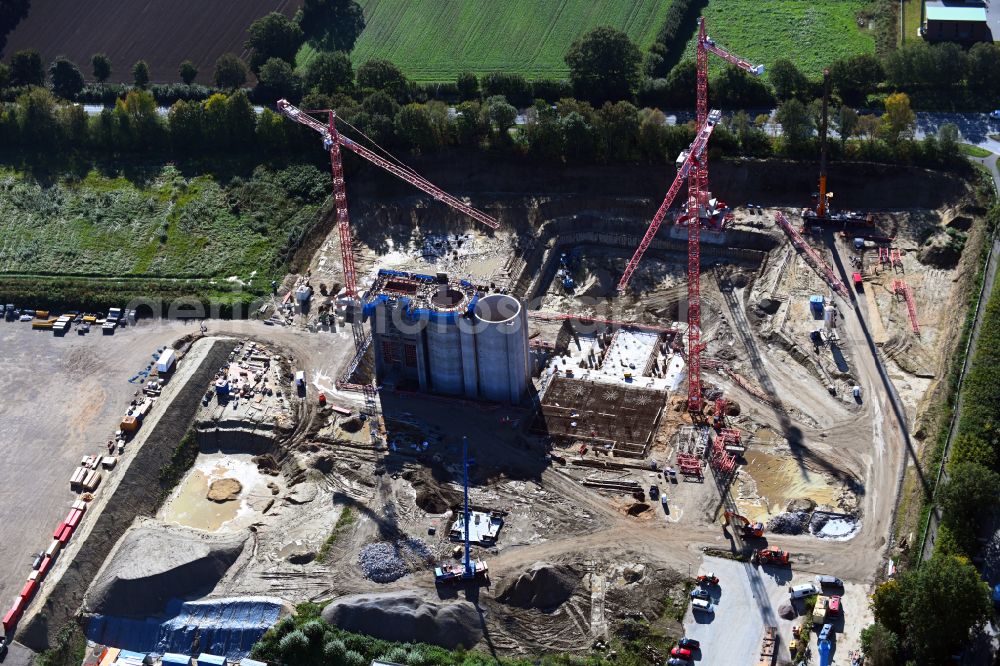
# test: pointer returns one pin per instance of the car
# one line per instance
(689, 643)
(824, 633)
(702, 605)
(829, 581)
(682, 653)
(700, 593)
(802, 591)
(674, 661)
(995, 115)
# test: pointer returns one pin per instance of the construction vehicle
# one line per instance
(770, 556)
(707, 579)
(749, 529)
(454, 572)
(768, 647)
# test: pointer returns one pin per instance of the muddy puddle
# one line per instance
(770, 480)
(189, 505)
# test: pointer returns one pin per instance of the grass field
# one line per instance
(169, 227)
(911, 20)
(435, 40)
(811, 33)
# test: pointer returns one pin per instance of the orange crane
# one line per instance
(332, 141)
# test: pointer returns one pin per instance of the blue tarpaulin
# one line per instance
(226, 627)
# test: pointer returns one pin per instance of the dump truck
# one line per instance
(768, 647)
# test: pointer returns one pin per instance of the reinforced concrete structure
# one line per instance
(447, 336)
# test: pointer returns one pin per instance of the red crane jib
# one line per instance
(332, 141)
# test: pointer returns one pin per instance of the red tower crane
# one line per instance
(332, 141)
(698, 195)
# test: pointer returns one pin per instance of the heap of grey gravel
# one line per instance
(385, 561)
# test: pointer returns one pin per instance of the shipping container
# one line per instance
(66, 534)
(42, 314)
(92, 480)
(43, 324)
(109, 462)
(74, 518)
(173, 659)
(80, 504)
(130, 424)
(34, 575)
(46, 565)
(11, 617)
(53, 549)
(29, 590)
(76, 480)
(55, 535)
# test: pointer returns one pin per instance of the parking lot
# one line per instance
(748, 598)
(63, 399)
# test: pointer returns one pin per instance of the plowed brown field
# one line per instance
(164, 33)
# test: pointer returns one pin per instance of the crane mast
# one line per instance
(695, 170)
(821, 204)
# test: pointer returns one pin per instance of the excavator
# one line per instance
(770, 556)
(750, 530)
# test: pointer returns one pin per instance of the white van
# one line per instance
(703, 605)
(804, 590)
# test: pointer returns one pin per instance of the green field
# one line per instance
(811, 33)
(168, 226)
(435, 40)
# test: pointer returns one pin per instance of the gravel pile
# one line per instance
(385, 561)
(789, 523)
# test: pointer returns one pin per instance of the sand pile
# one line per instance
(405, 617)
(224, 490)
(542, 586)
(154, 563)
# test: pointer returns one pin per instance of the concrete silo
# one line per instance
(448, 336)
(502, 348)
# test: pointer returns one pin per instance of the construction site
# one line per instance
(529, 415)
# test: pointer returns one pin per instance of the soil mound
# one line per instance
(542, 586)
(637, 509)
(155, 563)
(405, 617)
(224, 490)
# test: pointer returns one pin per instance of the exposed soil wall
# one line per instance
(133, 490)
(492, 181)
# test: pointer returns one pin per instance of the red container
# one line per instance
(74, 518)
(12, 616)
(55, 535)
(66, 533)
(46, 565)
(28, 591)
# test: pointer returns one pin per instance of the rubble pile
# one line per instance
(789, 523)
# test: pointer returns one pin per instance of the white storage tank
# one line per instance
(502, 348)
(829, 318)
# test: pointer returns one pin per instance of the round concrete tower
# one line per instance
(502, 348)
